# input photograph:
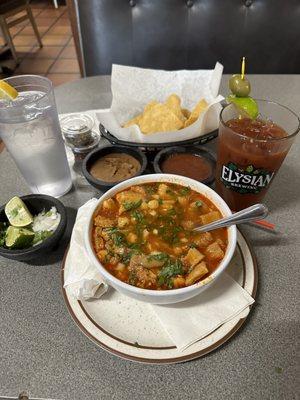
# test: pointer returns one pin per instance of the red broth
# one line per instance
(143, 236)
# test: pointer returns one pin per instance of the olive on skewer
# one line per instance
(240, 88)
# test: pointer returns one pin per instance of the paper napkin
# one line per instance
(192, 320)
(82, 281)
(133, 88)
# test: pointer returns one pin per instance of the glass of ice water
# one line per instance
(30, 129)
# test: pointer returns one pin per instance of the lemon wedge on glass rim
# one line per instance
(7, 92)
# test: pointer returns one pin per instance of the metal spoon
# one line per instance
(252, 213)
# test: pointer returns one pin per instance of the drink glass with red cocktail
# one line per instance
(251, 151)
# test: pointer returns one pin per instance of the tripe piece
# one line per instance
(214, 252)
(197, 273)
(193, 257)
(210, 217)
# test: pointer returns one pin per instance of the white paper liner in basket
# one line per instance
(133, 88)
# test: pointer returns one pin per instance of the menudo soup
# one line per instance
(143, 236)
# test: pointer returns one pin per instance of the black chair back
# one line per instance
(190, 34)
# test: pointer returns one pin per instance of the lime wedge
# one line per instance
(18, 238)
(246, 105)
(7, 92)
(17, 213)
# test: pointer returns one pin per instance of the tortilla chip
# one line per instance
(168, 116)
(200, 107)
(150, 105)
(190, 121)
(173, 102)
(159, 119)
(133, 121)
(136, 119)
(186, 113)
(195, 114)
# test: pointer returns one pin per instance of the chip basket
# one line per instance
(152, 147)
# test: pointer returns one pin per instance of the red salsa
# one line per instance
(187, 164)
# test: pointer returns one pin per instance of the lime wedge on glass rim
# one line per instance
(17, 213)
(18, 238)
(245, 105)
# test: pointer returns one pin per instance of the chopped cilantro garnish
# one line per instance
(150, 189)
(117, 236)
(131, 205)
(160, 201)
(3, 229)
(136, 246)
(171, 211)
(199, 203)
(167, 230)
(138, 216)
(158, 257)
(125, 258)
(170, 192)
(111, 230)
(41, 236)
(171, 268)
(185, 191)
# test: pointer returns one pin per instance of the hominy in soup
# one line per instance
(143, 236)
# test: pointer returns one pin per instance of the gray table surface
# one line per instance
(43, 351)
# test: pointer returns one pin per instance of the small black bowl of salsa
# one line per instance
(193, 162)
(105, 167)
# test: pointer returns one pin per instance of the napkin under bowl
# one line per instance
(186, 322)
(83, 280)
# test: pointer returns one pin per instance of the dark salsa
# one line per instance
(143, 236)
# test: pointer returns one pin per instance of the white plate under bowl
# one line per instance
(129, 329)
